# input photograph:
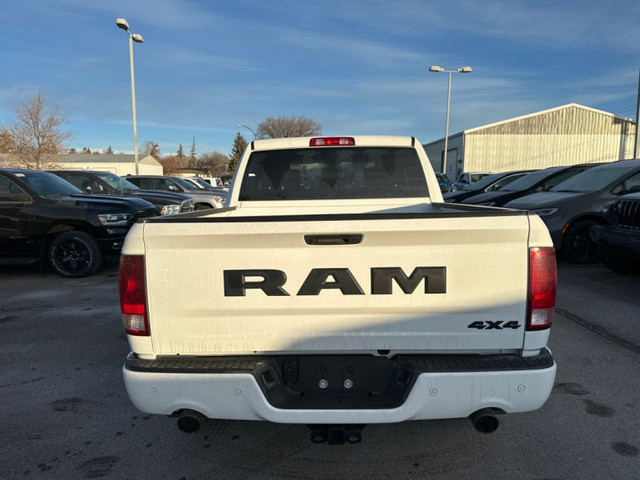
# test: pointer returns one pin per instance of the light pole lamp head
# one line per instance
(136, 37)
(122, 23)
(464, 70)
(436, 68)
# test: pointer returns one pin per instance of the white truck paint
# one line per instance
(306, 299)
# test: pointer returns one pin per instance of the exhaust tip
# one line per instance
(484, 421)
(190, 422)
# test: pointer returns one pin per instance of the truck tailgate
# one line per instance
(470, 294)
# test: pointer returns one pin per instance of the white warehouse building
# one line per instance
(565, 135)
(118, 163)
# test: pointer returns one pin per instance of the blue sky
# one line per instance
(356, 67)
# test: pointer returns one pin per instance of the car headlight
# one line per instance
(170, 210)
(545, 212)
(114, 219)
(220, 201)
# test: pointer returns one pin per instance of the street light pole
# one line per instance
(437, 69)
(250, 129)
(133, 37)
(636, 146)
(133, 105)
(446, 130)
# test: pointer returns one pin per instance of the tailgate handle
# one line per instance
(335, 239)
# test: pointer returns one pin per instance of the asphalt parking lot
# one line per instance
(65, 413)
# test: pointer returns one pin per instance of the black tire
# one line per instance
(75, 254)
(202, 206)
(577, 246)
(617, 263)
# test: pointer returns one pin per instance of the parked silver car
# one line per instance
(202, 199)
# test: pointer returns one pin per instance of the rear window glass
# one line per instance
(334, 173)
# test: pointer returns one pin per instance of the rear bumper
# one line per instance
(453, 388)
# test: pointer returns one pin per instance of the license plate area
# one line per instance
(336, 382)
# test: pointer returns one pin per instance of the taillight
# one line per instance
(542, 287)
(331, 141)
(133, 296)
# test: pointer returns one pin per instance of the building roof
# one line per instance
(550, 110)
(88, 158)
(515, 120)
(102, 158)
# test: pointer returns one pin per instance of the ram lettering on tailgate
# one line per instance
(271, 282)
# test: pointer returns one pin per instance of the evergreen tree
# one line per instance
(72, 150)
(180, 153)
(239, 144)
(86, 150)
(192, 155)
(109, 150)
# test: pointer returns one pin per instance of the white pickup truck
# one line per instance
(336, 290)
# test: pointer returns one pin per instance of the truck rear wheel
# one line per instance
(75, 254)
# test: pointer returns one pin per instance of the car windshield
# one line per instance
(486, 181)
(529, 180)
(333, 173)
(187, 185)
(594, 179)
(45, 183)
(500, 184)
(114, 181)
(202, 183)
(442, 178)
(475, 177)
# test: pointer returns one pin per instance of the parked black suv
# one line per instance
(45, 218)
(107, 183)
(490, 183)
(539, 181)
(620, 241)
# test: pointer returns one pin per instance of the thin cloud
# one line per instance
(172, 14)
(173, 55)
(570, 24)
(362, 51)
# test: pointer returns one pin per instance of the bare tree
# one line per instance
(35, 132)
(152, 148)
(6, 143)
(171, 164)
(215, 164)
(293, 126)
